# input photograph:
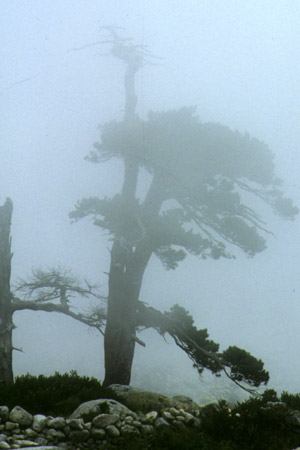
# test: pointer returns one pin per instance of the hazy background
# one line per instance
(239, 62)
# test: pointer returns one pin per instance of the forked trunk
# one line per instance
(6, 312)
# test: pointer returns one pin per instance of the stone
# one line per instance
(9, 426)
(50, 447)
(4, 412)
(4, 444)
(30, 433)
(75, 424)
(58, 423)
(160, 422)
(112, 431)
(167, 415)
(20, 416)
(104, 420)
(88, 410)
(41, 441)
(26, 443)
(137, 424)
(98, 433)
(3, 437)
(55, 434)
(39, 422)
(151, 416)
(129, 430)
(140, 400)
(79, 435)
(189, 418)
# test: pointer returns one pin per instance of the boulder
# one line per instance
(20, 416)
(140, 400)
(39, 422)
(103, 420)
(88, 410)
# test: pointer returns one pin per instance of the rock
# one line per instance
(41, 441)
(3, 437)
(151, 416)
(88, 410)
(55, 434)
(186, 403)
(129, 430)
(79, 435)
(104, 420)
(41, 448)
(4, 412)
(20, 416)
(140, 400)
(98, 433)
(58, 423)
(160, 422)
(39, 422)
(112, 431)
(167, 415)
(9, 426)
(4, 444)
(75, 424)
(26, 443)
(30, 433)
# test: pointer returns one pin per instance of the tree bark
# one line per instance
(6, 312)
(128, 264)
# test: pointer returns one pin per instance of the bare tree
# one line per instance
(46, 290)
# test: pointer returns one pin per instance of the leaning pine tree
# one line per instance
(194, 204)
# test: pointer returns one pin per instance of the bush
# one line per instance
(58, 394)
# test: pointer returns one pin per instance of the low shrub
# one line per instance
(58, 394)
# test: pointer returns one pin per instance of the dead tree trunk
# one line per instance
(6, 311)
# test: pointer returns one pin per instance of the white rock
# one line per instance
(19, 415)
(39, 422)
(4, 444)
(151, 416)
(93, 408)
(167, 415)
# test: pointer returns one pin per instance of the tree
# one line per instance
(40, 293)
(202, 179)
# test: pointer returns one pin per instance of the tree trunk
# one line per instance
(6, 312)
(125, 280)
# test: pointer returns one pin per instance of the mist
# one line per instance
(239, 65)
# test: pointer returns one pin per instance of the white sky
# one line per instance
(239, 62)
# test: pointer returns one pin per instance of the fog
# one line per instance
(239, 63)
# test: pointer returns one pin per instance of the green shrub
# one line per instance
(58, 394)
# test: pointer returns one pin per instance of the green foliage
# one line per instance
(54, 395)
(291, 400)
(251, 425)
(244, 366)
(205, 168)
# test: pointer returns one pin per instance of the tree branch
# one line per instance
(19, 305)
